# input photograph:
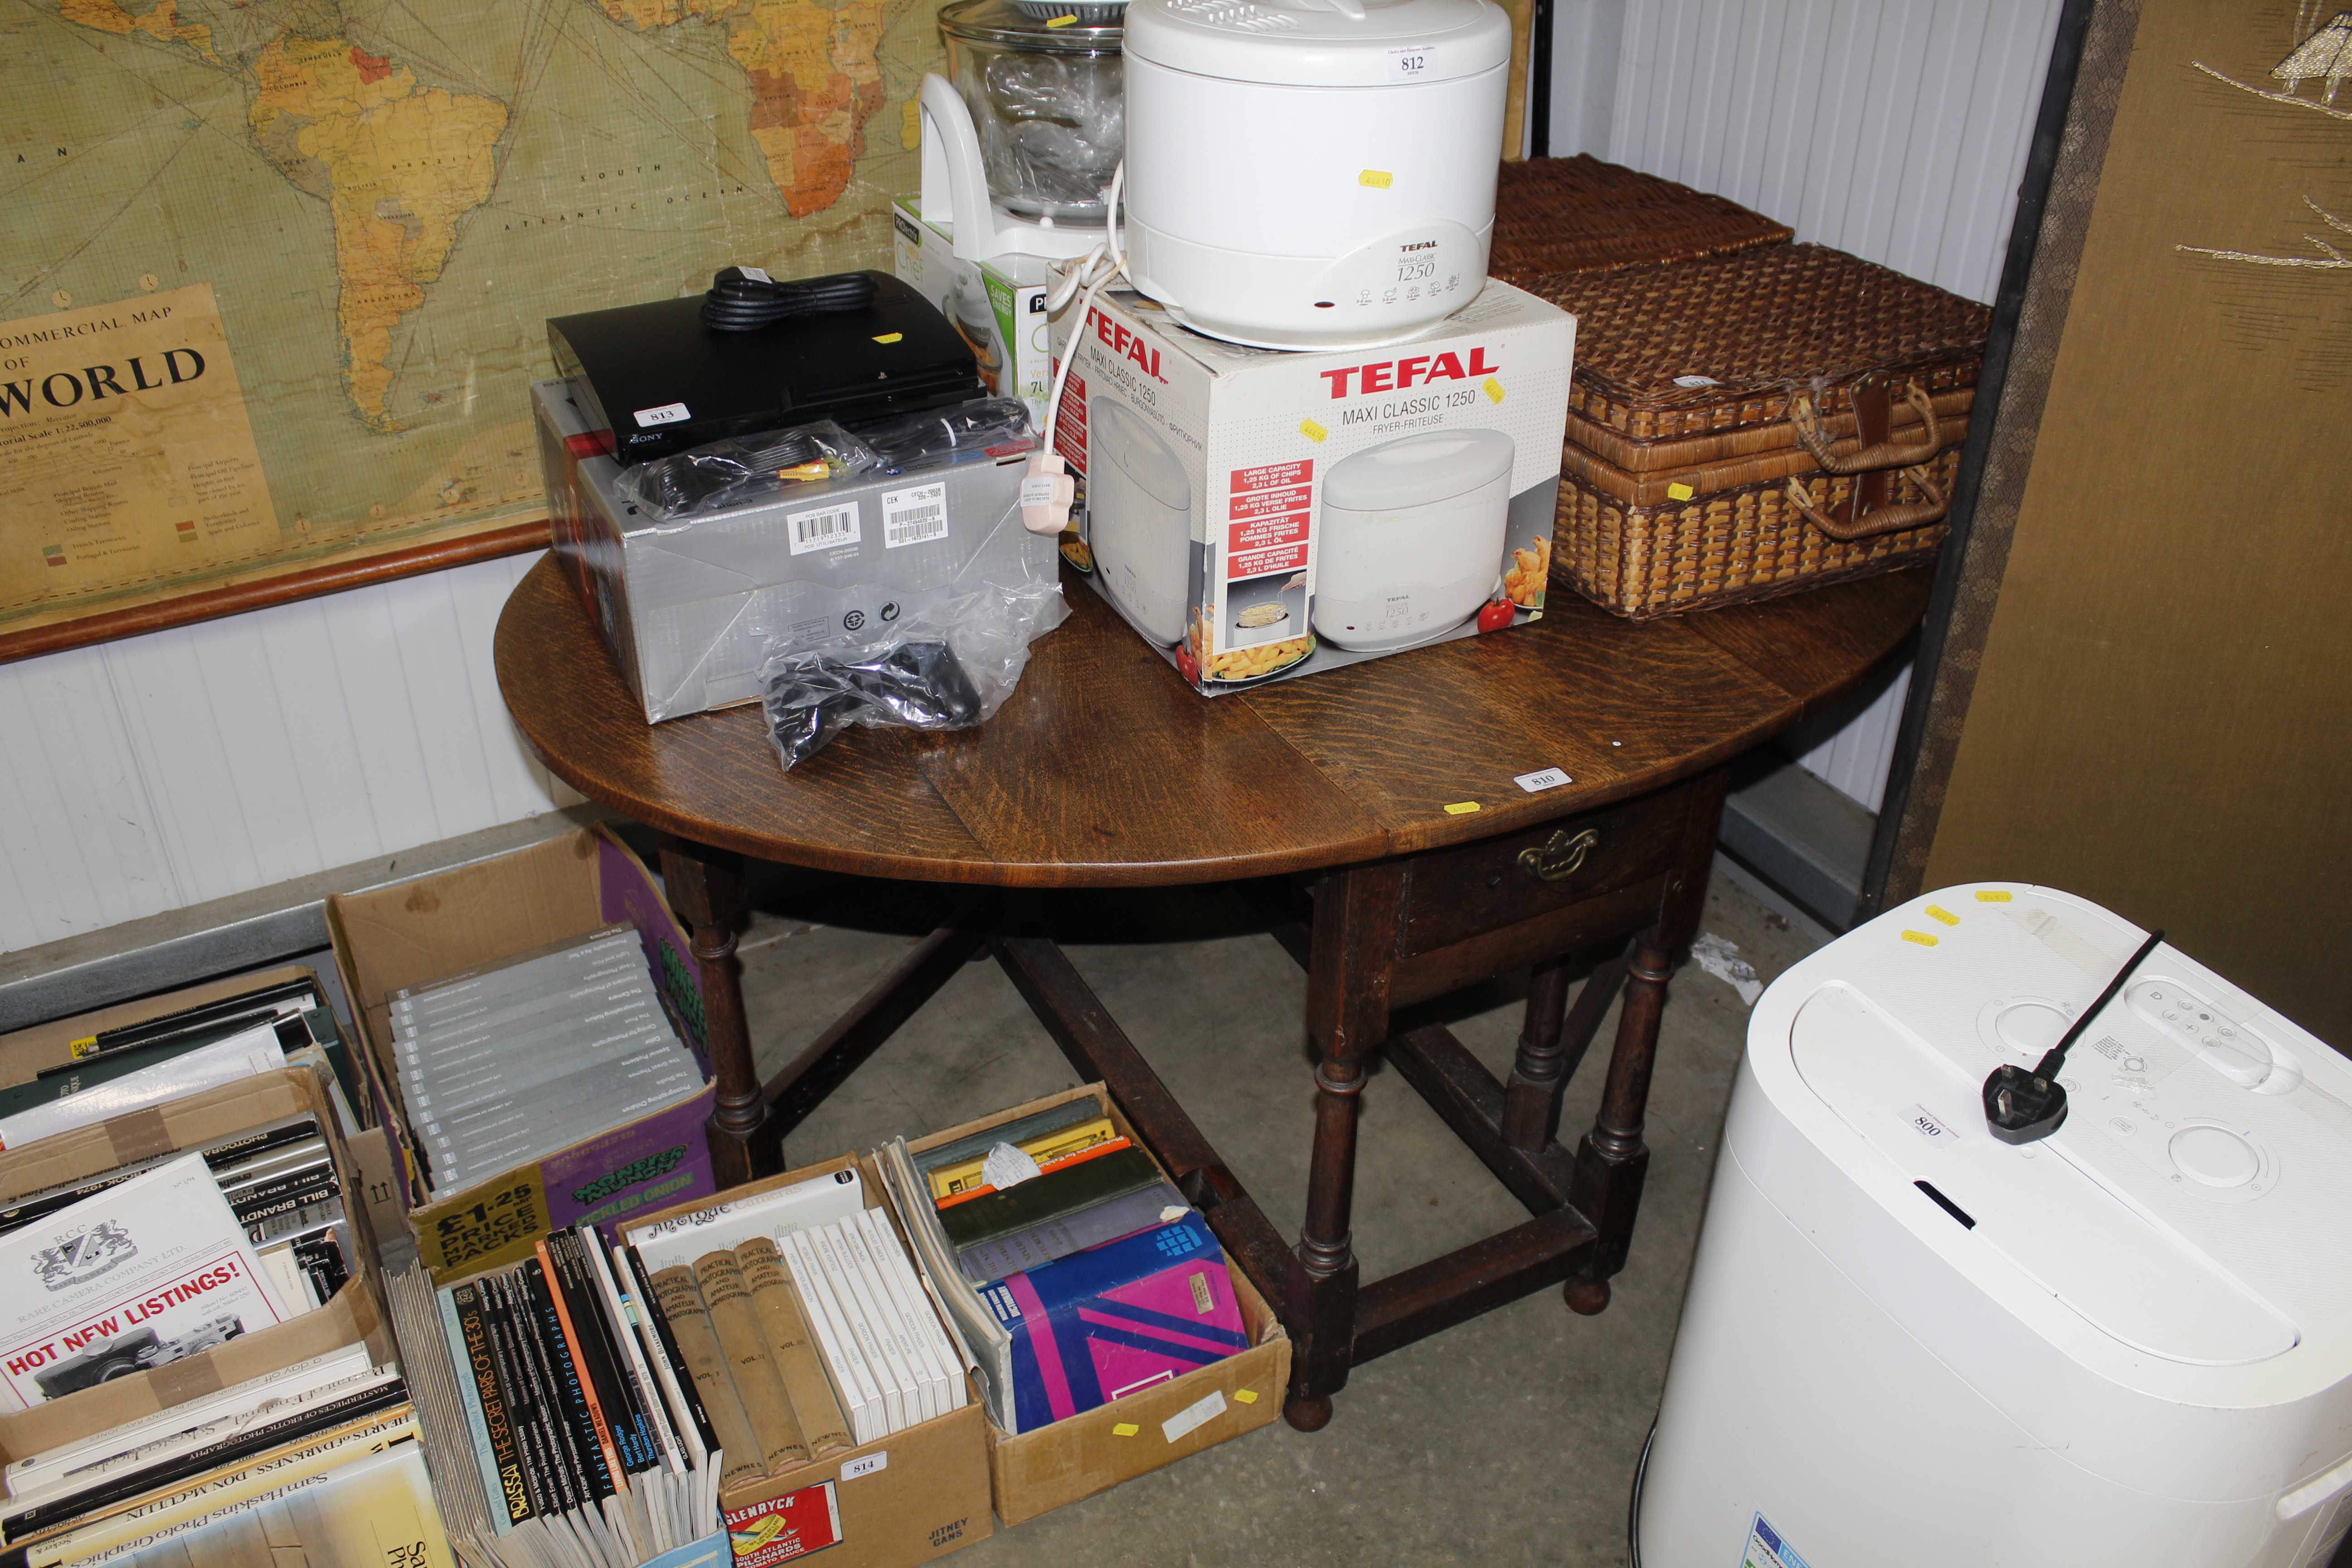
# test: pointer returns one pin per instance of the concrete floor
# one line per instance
(1511, 1439)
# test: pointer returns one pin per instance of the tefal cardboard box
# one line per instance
(354, 1315)
(1037, 1471)
(1260, 515)
(998, 306)
(413, 932)
(903, 1499)
(691, 606)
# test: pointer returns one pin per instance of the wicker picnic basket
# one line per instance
(1711, 395)
(1580, 214)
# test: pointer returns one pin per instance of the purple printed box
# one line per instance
(1117, 1318)
(411, 933)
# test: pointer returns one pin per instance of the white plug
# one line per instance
(1047, 493)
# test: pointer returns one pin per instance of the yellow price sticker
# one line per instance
(1947, 916)
(1679, 491)
(1462, 808)
(889, 337)
(1921, 937)
(1993, 896)
(1311, 430)
(1494, 389)
(1125, 1429)
(1378, 179)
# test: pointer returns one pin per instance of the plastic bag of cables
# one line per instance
(992, 428)
(743, 468)
(949, 668)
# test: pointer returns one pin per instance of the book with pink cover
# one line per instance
(1105, 1322)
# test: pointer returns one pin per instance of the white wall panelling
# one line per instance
(1894, 129)
(165, 770)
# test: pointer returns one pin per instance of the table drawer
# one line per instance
(1454, 894)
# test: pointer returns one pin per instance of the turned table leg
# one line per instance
(1612, 1159)
(1353, 949)
(1531, 1103)
(705, 887)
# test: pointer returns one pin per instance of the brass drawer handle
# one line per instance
(1559, 859)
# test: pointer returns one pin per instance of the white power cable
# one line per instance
(1047, 491)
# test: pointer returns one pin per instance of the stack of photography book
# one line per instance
(1075, 1273)
(161, 1263)
(802, 1318)
(560, 1430)
(503, 1065)
(121, 1070)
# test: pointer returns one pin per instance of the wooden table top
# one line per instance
(1104, 769)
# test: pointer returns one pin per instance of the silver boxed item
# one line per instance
(691, 606)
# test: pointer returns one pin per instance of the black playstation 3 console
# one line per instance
(654, 379)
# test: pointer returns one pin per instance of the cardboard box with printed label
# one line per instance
(1260, 515)
(903, 1499)
(413, 932)
(355, 1314)
(691, 607)
(1037, 1471)
(998, 306)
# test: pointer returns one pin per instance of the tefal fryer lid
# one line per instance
(1321, 43)
(1418, 470)
(1116, 435)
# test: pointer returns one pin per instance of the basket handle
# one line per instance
(1869, 509)
(1884, 520)
(1881, 454)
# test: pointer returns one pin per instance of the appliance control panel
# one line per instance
(1400, 274)
(2189, 1104)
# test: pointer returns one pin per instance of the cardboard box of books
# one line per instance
(806, 1287)
(162, 1295)
(110, 1062)
(1118, 1352)
(489, 919)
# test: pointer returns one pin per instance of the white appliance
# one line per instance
(1138, 519)
(1312, 173)
(1410, 537)
(1020, 147)
(1907, 1342)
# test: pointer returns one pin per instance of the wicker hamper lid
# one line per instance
(1720, 342)
(1580, 214)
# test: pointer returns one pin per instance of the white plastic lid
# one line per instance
(1321, 43)
(1116, 435)
(1417, 470)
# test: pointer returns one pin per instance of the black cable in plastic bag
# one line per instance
(737, 303)
(918, 683)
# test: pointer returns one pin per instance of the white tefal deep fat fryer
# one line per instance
(1312, 173)
(1138, 519)
(1908, 1341)
(1411, 542)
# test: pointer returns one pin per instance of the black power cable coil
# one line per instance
(740, 304)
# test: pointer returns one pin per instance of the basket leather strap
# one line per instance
(1880, 453)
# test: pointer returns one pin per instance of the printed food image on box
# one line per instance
(1260, 514)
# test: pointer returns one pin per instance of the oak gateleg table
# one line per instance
(1328, 796)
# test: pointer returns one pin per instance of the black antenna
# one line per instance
(2023, 1107)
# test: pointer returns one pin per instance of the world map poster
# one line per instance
(275, 274)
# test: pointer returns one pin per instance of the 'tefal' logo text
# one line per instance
(1396, 374)
(1127, 344)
